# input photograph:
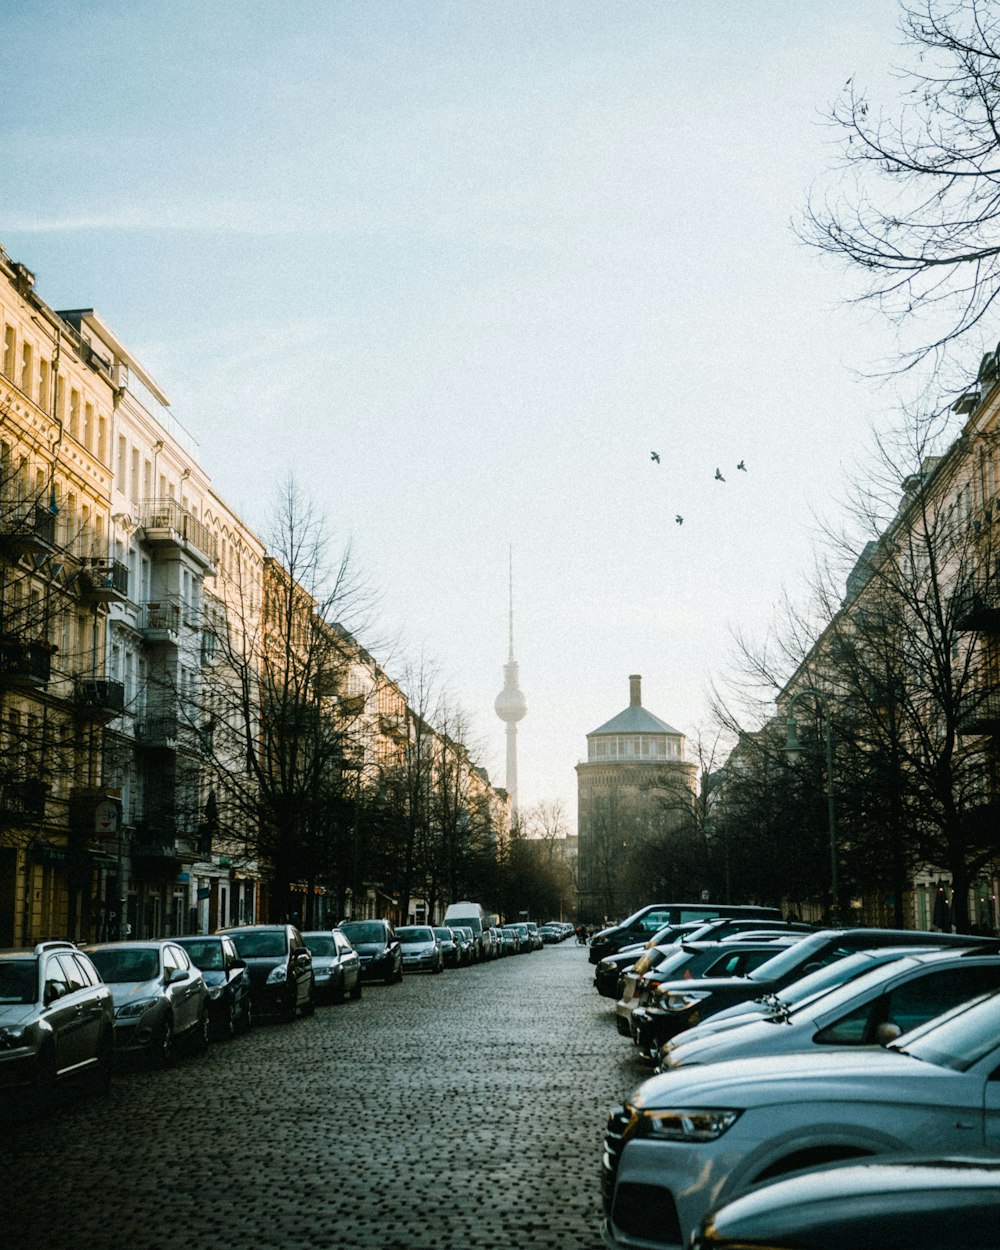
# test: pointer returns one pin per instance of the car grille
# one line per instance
(614, 1140)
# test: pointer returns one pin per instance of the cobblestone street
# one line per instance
(448, 1112)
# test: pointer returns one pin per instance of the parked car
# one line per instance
(677, 1005)
(57, 1018)
(467, 950)
(821, 981)
(527, 941)
(421, 949)
(336, 965)
(280, 966)
(511, 939)
(689, 1141)
(377, 944)
(885, 1003)
(641, 925)
(160, 997)
(449, 946)
(227, 979)
(873, 1204)
(536, 937)
(551, 934)
(732, 957)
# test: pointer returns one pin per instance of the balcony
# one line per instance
(104, 581)
(24, 665)
(155, 847)
(166, 524)
(23, 798)
(26, 529)
(978, 608)
(100, 698)
(158, 729)
(160, 624)
(983, 717)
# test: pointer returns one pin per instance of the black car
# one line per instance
(379, 948)
(684, 1003)
(641, 925)
(230, 1008)
(449, 946)
(869, 1204)
(280, 967)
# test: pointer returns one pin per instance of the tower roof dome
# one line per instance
(635, 719)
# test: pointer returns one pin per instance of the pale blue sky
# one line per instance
(461, 266)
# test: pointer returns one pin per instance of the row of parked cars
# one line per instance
(67, 1011)
(812, 1088)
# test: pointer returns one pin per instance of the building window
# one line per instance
(120, 463)
(9, 351)
(26, 355)
(89, 431)
(134, 493)
(43, 385)
(74, 414)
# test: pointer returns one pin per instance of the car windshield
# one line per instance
(205, 955)
(410, 936)
(443, 934)
(320, 943)
(119, 963)
(962, 1037)
(18, 981)
(260, 943)
(363, 931)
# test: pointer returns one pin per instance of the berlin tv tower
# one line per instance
(510, 704)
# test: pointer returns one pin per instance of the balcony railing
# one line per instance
(24, 797)
(26, 527)
(100, 697)
(160, 622)
(104, 581)
(983, 716)
(158, 728)
(978, 608)
(24, 665)
(166, 522)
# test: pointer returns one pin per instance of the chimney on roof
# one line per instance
(635, 690)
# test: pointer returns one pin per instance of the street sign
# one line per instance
(107, 818)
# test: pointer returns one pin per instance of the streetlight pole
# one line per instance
(792, 750)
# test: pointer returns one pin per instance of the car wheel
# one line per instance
(289, 1005)
(339, 993)
(438, 967)
(165, 1042)
(356, 992)
(309, 1007)
(399, 971)
(248, 1015)
(230, 1026)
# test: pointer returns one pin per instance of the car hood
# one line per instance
(123, 992)
(862, 1075)
(418, 948)
(16, 1013)
(370, 948)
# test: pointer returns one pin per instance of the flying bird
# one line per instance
(742, 465)
(718, 476)
(655, 455)
(679, 519)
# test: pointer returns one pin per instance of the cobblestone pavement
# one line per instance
(449, 1112)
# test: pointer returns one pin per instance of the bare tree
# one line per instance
(921, 221)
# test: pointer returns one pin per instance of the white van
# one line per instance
(473, 917)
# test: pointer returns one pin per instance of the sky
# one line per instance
(458, 268)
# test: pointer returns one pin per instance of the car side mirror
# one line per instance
(175, 974)
(52, 992)
(887, 1032)
(238, 963)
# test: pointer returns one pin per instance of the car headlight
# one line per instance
(682, 1000)
(277, 975)
(685, 1124)
(11, 1037)
(128, 1010)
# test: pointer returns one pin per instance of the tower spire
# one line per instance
(510, 704)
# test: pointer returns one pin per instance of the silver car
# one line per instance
(421, 949)
(56, 1018)
(160, 997)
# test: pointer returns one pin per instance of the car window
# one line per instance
(88, 969)
(18, 983)
(321, 944)
(170, 960)
(207, 955)
(74, 977)
(260, 943)
(118, 964)
(854, 1029)
(56, 980)
(925, 997)
(652, 921)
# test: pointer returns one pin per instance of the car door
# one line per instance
(183, 984)
(90, 1013)
(62, 1013)
(300, 967)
